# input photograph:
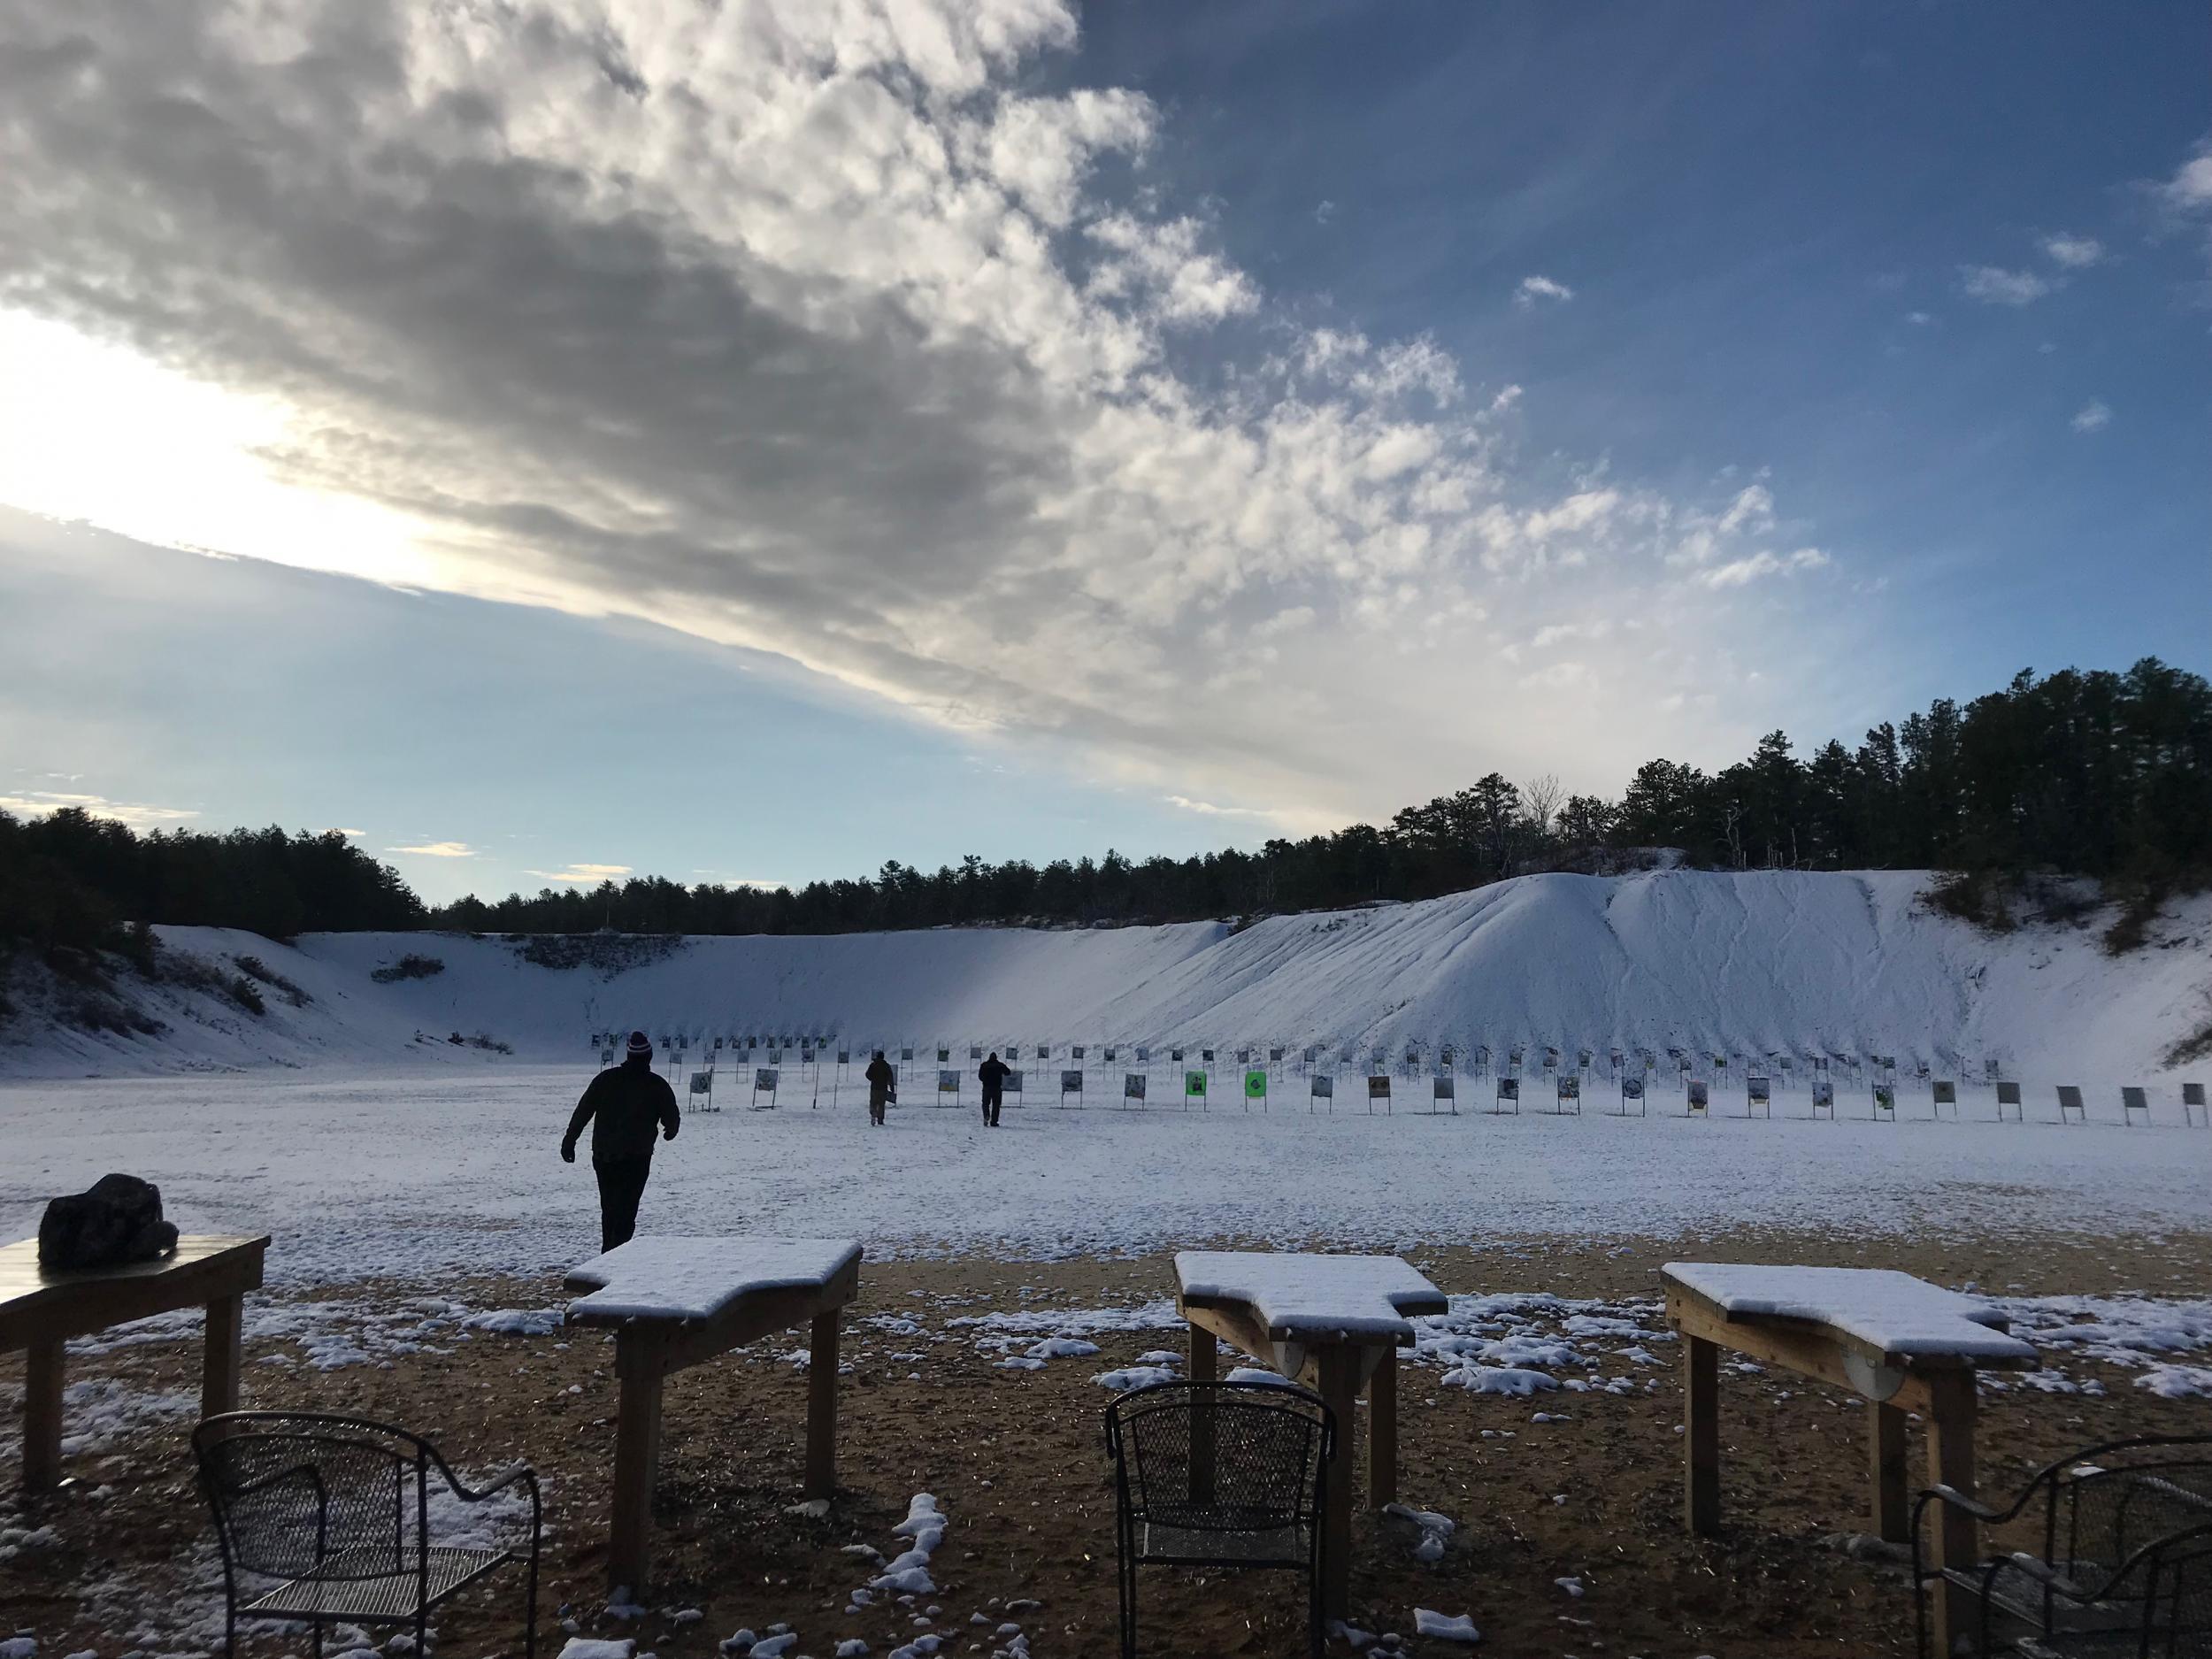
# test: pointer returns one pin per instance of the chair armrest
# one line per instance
(1951, 1497)
(511, 1475)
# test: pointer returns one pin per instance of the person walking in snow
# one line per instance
(883, 1087)
(624, 1104)
(992, 1073)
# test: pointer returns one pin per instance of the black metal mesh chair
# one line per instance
(2123, 1563)
(343, 1516)
(1218, 1474)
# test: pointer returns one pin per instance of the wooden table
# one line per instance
(1334, 1323)
(674, 1303)
(40, 1311)
(1898, 1342)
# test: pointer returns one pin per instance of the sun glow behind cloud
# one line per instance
(97, 431)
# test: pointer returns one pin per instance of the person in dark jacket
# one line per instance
(624, 1104)
(883, 1087)
(992, 1073)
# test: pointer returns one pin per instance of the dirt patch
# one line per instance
(1016, 1459)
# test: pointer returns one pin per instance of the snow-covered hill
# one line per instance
(1748, 964)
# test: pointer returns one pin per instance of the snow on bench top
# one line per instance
(1302, 1296)
(681, 1277)
(1880, 1307)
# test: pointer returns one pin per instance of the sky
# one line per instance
(754, 441)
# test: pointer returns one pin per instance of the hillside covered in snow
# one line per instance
(1775, 962)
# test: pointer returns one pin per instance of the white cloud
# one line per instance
(437, 849)
(1737, 572)
(350, 834)
(1207, 809)
(2190, 189)
(583, 875)
(2094, 416)
(1918, 320)
(1534, 288)
(1996, 286)
(819, 331)
(1164, 268)
(43, 803)
(1558, 633)
(2075, 253)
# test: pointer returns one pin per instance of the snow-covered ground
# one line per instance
(1745, 964)
(416, 1174)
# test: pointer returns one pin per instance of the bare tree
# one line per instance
(1541, 795)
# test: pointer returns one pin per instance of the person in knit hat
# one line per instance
(626, 1105)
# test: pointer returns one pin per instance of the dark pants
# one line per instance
(991, 1104)
(876, 1103)
(621, 1184)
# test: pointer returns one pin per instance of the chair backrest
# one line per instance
(1269, 1443)
(299, 1492)
(2177, 1597)
(2113, 1500)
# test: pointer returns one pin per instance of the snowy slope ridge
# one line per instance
(1751, 964)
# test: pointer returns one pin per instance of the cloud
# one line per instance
(1737, 572)
(2190, 189)
(1534, 288)
(2075, 253)
(1558, 633)
(1207, 809)
(44, 802)
(821, 331)
(583, 875)
(2094, 416)
(1918, 320)
(350, 834)
(1996, 286)
(437, 849)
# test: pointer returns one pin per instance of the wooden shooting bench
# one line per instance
(1335, 1323)
(40, 1311)
(1898, 1342)
(674, 1303)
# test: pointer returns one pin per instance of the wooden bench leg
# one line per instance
(1338, 1379)
(637, 1454)
(1382, 1432)
(42, 1415)
(1885, 1451)
(1950, 1435)
(220, 1359)
(1205, 1367)
(1701, 1431)
(821, 1406)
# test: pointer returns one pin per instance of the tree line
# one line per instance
(2091, 773)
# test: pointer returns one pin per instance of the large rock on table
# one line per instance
(116, 1222)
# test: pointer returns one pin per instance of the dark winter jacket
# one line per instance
(993, 1073)
(630, 1101)
(883, 1082)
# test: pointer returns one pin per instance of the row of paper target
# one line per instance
(1565, 1089)
(1438, 1058)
